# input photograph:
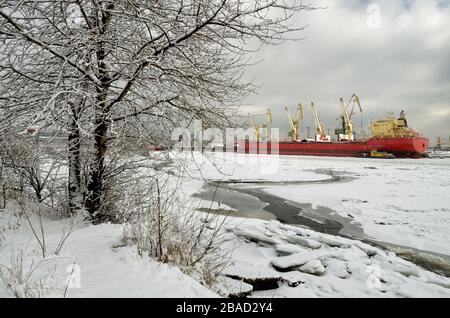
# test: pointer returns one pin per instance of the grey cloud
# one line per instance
(403, 65)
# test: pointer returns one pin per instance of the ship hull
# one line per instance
(414, 147)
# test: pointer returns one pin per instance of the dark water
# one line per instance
(244, 205)
(256, 203)
(250, 199)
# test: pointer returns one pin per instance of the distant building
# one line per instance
(443, 144)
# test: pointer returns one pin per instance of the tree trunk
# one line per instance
(74, 158)
(97, 172)
(96, 183)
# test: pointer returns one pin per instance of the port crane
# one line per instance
(295, 123)
(321, 136)
(356, 101)
(265, 125)
(254, 126)
(347, 117)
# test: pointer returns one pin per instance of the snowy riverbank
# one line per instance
(93, 262)
(402, 202)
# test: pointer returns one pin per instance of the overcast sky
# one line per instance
(401, 64)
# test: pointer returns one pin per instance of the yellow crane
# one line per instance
(254, 126)
(347, 126)
(265, 125)
(320, 128)
(347, 121)
(295, 123)
(356, 101)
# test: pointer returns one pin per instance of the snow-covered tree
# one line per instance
(134, 67)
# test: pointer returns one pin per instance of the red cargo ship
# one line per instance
(391, 138)
(404, 147)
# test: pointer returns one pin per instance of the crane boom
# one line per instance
(299, 113)
(291, 122)
(347, 122)
(356, 101)
(254, 126)
(317, 123)
(321, 136)
(295, 124)
(267, 123)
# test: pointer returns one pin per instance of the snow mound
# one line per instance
(255, 235)
(233, 288)
(297, 260)
(260, 277)
(288, 249)
(102, 268)
(341, 267)
(314, 267)
(296, 239)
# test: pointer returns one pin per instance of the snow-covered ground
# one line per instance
(310, 264)
(93, 262)
(403, 202)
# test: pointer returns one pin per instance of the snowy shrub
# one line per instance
(120, 176)
(17, 280)
(9, 220)
(12, 183)
(30, 169)
(168, 228)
